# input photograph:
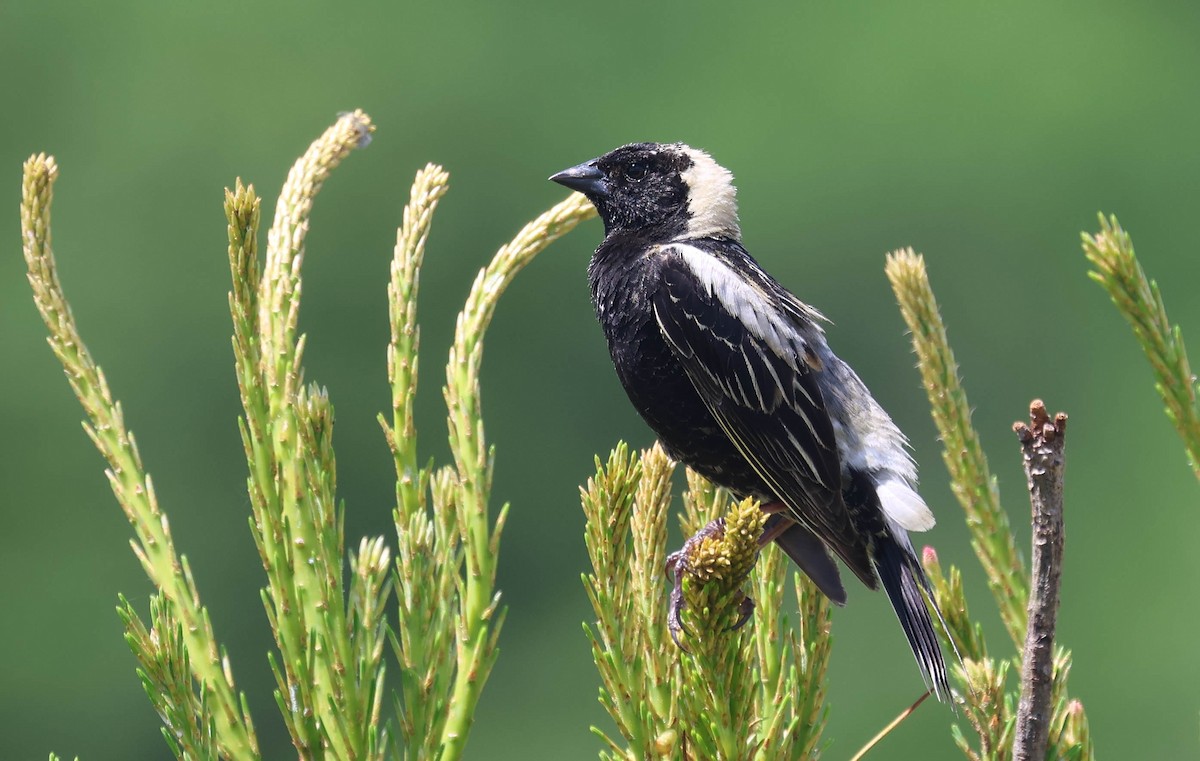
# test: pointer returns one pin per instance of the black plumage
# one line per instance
(734, 375)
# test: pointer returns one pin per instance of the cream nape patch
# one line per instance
(712, 198)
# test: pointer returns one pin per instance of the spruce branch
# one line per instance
(1139, 301)
(648, 527)
(479, 614)
(963, 631)
(791, 660)
(412, 481)
(990, 710)
(188, 724)
(616, 637)
(130, 482)
(806, 652)
(279, 289)
(329, 631)
(754, 692)
(427, 559)
(369, 591)
(1042, 443)
(970, 479)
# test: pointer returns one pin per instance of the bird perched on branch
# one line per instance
(733, 373)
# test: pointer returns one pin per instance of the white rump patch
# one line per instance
(712, 198)
(903, 505)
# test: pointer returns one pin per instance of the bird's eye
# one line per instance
(636, 171)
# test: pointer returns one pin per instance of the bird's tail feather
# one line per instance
(810, 553)
(903, 579)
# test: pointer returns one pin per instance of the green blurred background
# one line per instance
(985, 134)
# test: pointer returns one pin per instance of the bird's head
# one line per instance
(665, 191)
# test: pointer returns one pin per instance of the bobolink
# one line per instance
(733, 374)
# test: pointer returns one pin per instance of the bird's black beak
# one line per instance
(586, 178)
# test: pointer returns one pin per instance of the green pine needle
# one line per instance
(1138, 300)
(330, 626)
(752, 693)
(970, 478)
(131, 484)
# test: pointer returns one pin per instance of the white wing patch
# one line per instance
(748, 303)
(903, 505)
(712, 198)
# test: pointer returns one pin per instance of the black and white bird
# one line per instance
(734, 375)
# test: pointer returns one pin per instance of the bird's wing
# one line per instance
(750, 361)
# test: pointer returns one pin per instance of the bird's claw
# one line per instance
(676, 566)
(745, 612)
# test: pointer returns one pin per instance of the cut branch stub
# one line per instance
(1045, 437)
(1042, 443)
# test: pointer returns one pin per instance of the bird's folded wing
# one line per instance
(753, 367)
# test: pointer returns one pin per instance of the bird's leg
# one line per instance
(774, 528)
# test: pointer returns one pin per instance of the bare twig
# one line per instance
(878, 738)
(1042, 444)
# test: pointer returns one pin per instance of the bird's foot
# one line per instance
(678, 565)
